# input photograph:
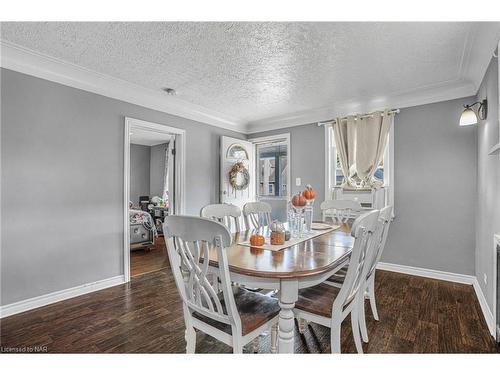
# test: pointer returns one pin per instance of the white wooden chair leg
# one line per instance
(190, 336)
(362, 319)
(237, 347)
(355, 330)
(302, 325)
(371, 294)
(335, 337)
(256, 344)
(190, 333)
(274, 338)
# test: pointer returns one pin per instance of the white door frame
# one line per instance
(180, 177)
(269, 139)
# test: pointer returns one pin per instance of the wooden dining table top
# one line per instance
(307, 258)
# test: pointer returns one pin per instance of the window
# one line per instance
(237, 151)
(272, 164)
(334, 174)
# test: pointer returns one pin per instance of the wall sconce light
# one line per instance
(469, 115)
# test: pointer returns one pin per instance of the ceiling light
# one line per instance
(170, 91)
(470, 117)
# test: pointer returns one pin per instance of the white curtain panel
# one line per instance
(360, 144)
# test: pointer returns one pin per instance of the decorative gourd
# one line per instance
(309, 193)
(298, 200)
(257, 239)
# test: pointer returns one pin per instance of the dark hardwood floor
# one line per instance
(144, 261)
(417, 315)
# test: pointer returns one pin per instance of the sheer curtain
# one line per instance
(360, 143)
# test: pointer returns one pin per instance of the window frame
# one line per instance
(283, 138)
(330, 157)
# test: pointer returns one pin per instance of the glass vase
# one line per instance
(308, 216)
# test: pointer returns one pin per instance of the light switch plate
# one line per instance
(298, 181)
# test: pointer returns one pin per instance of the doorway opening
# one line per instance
(153, 189)
(272, 164)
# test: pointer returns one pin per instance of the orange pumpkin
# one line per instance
(257, 240)
(309, 193)
(298, 200)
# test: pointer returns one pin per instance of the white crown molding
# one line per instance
(432, 94)
(483, 41)
(477, 52)
(39, 65)
(60, 295)
(447, 276)
(478, 46)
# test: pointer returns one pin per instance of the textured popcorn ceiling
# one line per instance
(253, 71)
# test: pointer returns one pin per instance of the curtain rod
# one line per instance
(364, 115)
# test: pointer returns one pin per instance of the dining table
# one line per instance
(309, 262)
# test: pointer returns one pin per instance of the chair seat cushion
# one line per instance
(255, 309)
(317, 299)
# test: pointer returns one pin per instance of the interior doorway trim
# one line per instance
(180, 178)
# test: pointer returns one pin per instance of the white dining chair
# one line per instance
(234, 316)
(329, 306)
(340, 210)
(257, 214)
(228, 214)
(379, 238)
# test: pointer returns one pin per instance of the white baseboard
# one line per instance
(424, 272)
(47, 299)
(488, 315)
(447, 276)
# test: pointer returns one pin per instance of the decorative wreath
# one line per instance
(239, 169)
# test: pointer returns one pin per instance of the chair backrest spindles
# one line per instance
(224, 213)
(257, 214)
(340, 210)
(385, 219)
(362, 230)
(189, 240)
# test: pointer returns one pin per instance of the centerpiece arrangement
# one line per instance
(309, 195)
(302, 210)
(300, 217)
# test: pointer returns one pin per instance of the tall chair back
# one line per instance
(340, 210)
(380, 238)
(363, 229)
(189, 240)
(228, 214)
(256, 214)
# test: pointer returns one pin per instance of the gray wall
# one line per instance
(307, 146)
(139, 171)
(157, 170)
(435, 184)
(62, 183)
(435, 187)
(488, 183)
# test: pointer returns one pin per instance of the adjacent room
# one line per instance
(151, 193)
(250, 187)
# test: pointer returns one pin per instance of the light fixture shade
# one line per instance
(468, 117)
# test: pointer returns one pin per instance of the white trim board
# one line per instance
(424, 272)
(47, 299)
(24, 60)
(488, 315)
(447, 276)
